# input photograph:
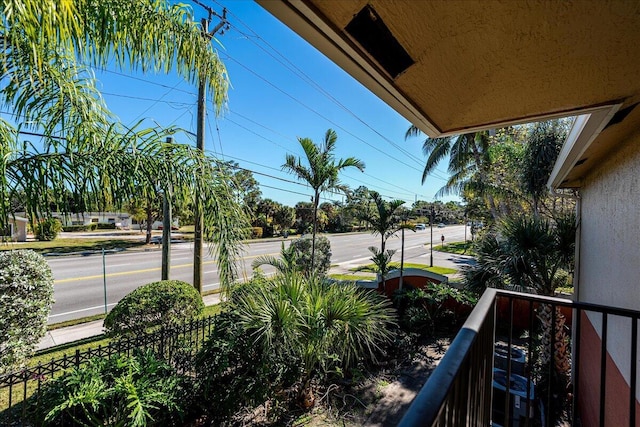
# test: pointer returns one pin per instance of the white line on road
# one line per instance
(81, 310)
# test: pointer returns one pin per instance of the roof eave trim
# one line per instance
(303, 20)
(584, 131)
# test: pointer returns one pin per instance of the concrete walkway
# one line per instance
(86, 330)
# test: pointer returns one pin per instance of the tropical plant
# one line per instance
(469, 162)
(382, 261)
(157, 304)
(385, 220)
(437, 305)
(322, 171)
(26, 296)
(287, 263)
(233, 373)
(544, 142)
(323, 328)
(525, 253)
(137, 390)
(52, 90)
(48, 51)
(48, 229)
(531, 253)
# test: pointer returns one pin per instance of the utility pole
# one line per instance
(202, 114)
(431, 224)
(166, 226)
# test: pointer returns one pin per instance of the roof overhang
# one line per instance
(479, 65)
(586, 128)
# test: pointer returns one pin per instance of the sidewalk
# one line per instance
(90, 329)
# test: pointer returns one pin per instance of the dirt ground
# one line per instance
(382, 399)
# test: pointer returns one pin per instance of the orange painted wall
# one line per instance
(617, 391)
(392, 285)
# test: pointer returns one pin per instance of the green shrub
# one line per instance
(102, 226)
(26, 295)
(48, 229)
(436, 306)
(137, 390)
(233, 373)
(256, 232)
(326, 329)
(322, 261)
(164, 303)
(76, 228)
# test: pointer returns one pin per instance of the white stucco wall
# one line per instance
(610, 245)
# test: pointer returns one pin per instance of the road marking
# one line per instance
(124, 273)
(81, 310)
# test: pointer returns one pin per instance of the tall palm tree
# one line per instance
(320, 173)
(469, 161)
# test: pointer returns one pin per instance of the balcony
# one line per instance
(469, 386)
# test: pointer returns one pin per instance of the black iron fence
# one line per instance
(527, 360)
(174, 344)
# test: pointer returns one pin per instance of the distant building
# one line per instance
(120, 219)
(16, 230)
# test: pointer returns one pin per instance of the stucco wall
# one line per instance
(610, 246)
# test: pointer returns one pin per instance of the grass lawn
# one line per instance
(74, 245)
(352, 277)
(460, 248)
(435, 269)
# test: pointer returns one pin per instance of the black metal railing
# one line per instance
(174, 344)
(507, 366)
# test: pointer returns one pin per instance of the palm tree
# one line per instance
(321, 173)
(469, 161)
(382, 261)
(47, 50)
(286, 264)
(530, 254)
(384, 220)
(317, 326)
(543, 146)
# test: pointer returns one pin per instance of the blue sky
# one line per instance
(282, 89)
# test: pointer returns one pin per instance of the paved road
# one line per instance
(80, 280)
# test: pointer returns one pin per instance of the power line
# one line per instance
(320, 114)
(303, 76)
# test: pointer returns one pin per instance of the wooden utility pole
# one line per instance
(202, 115)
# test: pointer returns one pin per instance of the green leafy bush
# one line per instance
(436, 306)
(256, 232)
(76, 228)
(322, 261)
(137, 390)
(48, 229)
(103, 226)
(26, 295)
(164, 303)
(233, 373)
(280, 336)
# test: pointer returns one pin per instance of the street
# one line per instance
(82, 281)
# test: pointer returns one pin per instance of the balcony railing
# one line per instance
(505, 338)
